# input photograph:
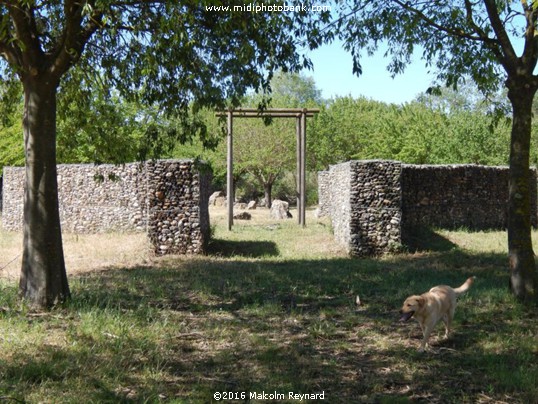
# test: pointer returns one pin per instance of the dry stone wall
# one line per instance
(324, 184)
(363, 199)
(337, 201)
(168, 199)
(178, 207)
(453, 196)
(375, 206)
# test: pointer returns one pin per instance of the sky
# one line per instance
(333, 75)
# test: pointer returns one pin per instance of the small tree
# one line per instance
(264, 150)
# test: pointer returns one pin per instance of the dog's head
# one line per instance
(411, 305)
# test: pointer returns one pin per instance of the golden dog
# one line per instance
(431, 307)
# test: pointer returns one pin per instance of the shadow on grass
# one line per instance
(190, 328)
(421, 239)
(252, 249)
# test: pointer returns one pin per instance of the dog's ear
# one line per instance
(421, 301)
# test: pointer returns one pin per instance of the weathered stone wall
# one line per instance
(375, 207)
(324, 184)
(452, 196)
(388, 200)
(363, 200)
(12, 198)
(337, 202)
(166, 198)
(178, 207)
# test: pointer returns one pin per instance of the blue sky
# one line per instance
(333, 75)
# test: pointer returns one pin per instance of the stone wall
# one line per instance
(165, 198)
(337, 202)
(376, 205)
(178, 207)
(453, 196)
(323, 192)
(363, 199)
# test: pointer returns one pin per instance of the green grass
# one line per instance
(272, 308)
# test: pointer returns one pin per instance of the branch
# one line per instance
(529, 57)
(7, 50)
(454, 32)
(74, 37)
(10, 54)
(26, 33)
(470, 20)
(509, 57)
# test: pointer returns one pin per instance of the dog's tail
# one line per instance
(465, 287)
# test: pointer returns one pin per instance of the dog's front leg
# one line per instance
(426, 331)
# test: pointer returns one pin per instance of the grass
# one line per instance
(271, 308)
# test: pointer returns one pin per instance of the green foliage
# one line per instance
(264, 151)
(11, 138)
(11, 146)
(93, 127)
(99, 129)
(172, 58)
(439, 129)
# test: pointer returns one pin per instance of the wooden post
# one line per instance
(299, 159)
(303, 168)
(229, 172)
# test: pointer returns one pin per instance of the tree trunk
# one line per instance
(523, 275)
(43, 281)
(268, 189)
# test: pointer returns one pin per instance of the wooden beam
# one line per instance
(262, 115)
(270, 112)
(299, 159)
(229, 172)
(300, 114)
(303, 169)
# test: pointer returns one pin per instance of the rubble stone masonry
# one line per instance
(375, 206)
(168, 199)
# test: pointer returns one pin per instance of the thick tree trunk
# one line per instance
(523, 275)
(43, 281)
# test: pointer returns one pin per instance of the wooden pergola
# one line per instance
(300, 115)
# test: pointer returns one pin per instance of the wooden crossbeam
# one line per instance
(270, 112)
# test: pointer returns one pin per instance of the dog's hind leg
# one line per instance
(447, 320)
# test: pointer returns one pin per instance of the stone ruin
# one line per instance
(376, 206)
(167, 199)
